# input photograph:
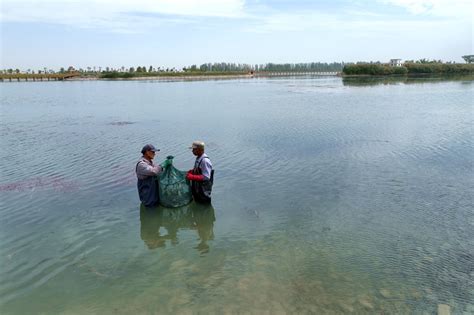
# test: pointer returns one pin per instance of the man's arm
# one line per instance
(144, 170)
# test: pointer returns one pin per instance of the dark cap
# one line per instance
(149, 147)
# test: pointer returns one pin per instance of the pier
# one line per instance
(38, 76)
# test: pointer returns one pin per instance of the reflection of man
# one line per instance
(150, 223)
(194, 216)
(204, 218)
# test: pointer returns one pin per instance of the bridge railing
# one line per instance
(37, 76)
(295, 73)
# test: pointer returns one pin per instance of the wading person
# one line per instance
(147, 176)
(202, 175)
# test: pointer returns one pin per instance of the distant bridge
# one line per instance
(38, 76)
(294, 73)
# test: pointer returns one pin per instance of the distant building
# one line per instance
(395, 62)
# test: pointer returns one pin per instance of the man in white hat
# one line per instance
(202, 175)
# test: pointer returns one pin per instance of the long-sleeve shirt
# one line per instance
(146, 168)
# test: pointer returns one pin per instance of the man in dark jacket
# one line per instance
(147, 176)
(202, 175)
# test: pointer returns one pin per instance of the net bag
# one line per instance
(175, 190)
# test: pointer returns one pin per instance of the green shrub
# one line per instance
(439, 68)
(372, 69)
(412, 68)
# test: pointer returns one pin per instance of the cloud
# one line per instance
(119, 15)
(360, 24)
(412, 6)
(128, 16)
(293, 22)
(446, 8)
(368, 19)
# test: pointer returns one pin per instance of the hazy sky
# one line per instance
(177, 33)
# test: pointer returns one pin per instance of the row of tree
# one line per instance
(371, 67)
(89, 70)
(286, 67)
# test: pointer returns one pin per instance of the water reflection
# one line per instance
(381, 80)
(159, 225)
(204, 218)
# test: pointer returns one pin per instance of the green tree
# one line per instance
(468, 58)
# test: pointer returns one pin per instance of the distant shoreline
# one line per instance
(163, 77)
(38, 78)
(169, 78)
(200, 77)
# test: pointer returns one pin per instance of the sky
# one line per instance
(177, 33)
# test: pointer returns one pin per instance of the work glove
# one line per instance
(166, 163)
(196, 178)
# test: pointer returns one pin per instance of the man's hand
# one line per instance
(166, 163)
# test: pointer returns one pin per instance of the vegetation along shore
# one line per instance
(410, 67)
(232, 70)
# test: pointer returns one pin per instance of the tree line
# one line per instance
(221, 67)
(224, 68)
(274, 67)
(369, 68)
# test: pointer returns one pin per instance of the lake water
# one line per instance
(331, 196)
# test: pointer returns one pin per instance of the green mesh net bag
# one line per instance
(175, 190)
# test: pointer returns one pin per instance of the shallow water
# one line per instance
(330, 196)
